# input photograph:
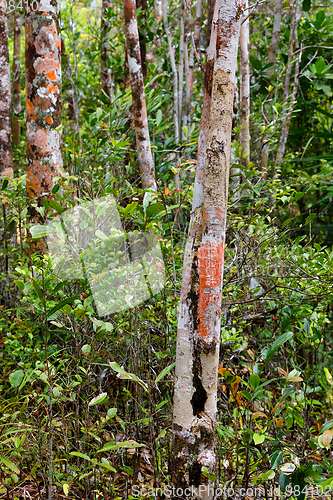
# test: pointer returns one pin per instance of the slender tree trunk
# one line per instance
(70, 96)
(273, 48)
(174, 69)
(189, 78)
(142, 4)
(181, 63)
(17, 82)
(286, 121)
(158, 8)
(293, 40)
(245, 92)
(145, 158)
(274, 45)
(43, 99)
(194, 411)
(106, 74)
(6, 157)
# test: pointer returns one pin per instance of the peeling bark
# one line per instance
(17, 81)
(245, 92)
(43, 98)
(106, 74)
(6, 158)
(195, 392)
(145, 157)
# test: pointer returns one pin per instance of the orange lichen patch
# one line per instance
(47, 66)
(49, 120)
(53, 88)
(211, 264)
(30, 108)
(39, 179)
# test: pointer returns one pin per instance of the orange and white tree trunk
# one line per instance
(195, 391)
(106, 75)
(145, 157)
(245, 91)
(6, 158)
(43, 97)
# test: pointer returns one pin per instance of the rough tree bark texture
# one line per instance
(145, 158)
(17, 81)
(106, 75)
(273, 48)
(293, 42)
(245, 91)
(6, 158)
(43, 97)
(195, 391)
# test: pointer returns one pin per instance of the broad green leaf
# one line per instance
(276, 459)
(19, 284)
(98, 399)
(128, 376)
(122, 444)
(282, 339)
(164, 373)
(57, 206)
(327, 425)
(258, 438)
(38, 291)
(254, 380)
(16, 377)
(111, 412)
(61, 304)
(159, 116)
(9, 464)
(65, 488)
(86, 349)
(284, 480)
(205, 472)
(80, 455)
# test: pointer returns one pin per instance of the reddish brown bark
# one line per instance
(43, 98)
(145, 158)
(6, 158)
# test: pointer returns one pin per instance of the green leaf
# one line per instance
(61, 304)
(327, 425)
(254, 380)
(299, 195)
(164, 373)
(258, 438)
(128, 376)
(16, 377)
(288, 468)
(81, 455)
(86, 348)
(38, 291)
(98, 399)
(9, 464)
(111, 412)
(159, 116)
(123, 444)
(65, 488)
(205, 472)
(57, 206)
(19, 284)
(284, 480)
(306, 5)
(282, 339)
(276, 459)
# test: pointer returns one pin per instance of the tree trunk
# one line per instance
(245, 92)
(106, 75)
(174, 69)
(273, 48)
(17, 82)
(6, 157)
(142, 4)
(43, 98)
(194, 411)
(145, 158)
(194, 47)
(293, 40)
